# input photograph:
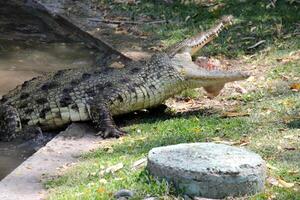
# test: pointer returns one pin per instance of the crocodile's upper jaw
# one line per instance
(197, 42)
(194, 44)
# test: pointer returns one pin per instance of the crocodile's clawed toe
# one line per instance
(111, 132)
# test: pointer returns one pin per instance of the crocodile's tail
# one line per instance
(10, 123)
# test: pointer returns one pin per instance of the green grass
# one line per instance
(272, 127)
(254, 22)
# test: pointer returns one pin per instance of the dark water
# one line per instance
(11, 156)
(21, 62)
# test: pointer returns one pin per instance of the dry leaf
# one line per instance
(101, 190)
(103, 181)
(111, 169)
(121, 31)
(240, 89)
(139, 163)
(115, 168)
(285, 184)
(108, 149)
(154, 48)
(234, 114)
(295, 87)
(273, 181)
(242, 142)
(289, 148)
(245, 143)
(288, 103)
(197, 130)
(293, 172)
(117, 65)
(291, 137)
(271, 167)
(223, 142)
(279, 182)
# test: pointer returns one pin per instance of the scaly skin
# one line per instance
(97, 94)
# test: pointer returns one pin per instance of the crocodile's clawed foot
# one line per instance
(111, 132)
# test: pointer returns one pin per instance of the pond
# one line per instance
(20, 62)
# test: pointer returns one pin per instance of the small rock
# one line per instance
(123, 193)
(122, 198)
(186, 197)
(150, 198)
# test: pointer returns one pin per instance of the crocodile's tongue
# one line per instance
(210, 69)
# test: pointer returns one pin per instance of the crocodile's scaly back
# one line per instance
(66, 96)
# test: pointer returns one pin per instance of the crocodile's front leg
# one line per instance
(103, 120)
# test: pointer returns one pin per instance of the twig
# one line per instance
(107, 21)
(257, 44)
(248, 38)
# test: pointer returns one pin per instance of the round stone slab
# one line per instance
(209, 170)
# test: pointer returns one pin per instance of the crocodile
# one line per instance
(97, 94)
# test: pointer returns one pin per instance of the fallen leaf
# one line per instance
(154, 48)
(279, 182)
(115, 168)
(108, 149)
(117, 65)
(293, 172)
(242, 142)
(285, 184)
(121, 31)
(295, 87)
(101, 190)
(240, 89)
(288, 103)
(139, 163)
(291, 137)
(273, 181)
(289, 148)
(271, 167)
(245, 143)
(224, 142)
(111, 169)
(234, 114)
(103, 181)
(197, 130)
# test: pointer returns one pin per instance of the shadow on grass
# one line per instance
(294, 124)
(154, 115)
(256, 21)
(162, 129)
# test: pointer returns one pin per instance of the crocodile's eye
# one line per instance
(49, 85)
(135, 70)
(24, 95)
(86, 76)
(41, 100)
(75, 82)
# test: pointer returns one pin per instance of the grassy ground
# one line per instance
(265, 118)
